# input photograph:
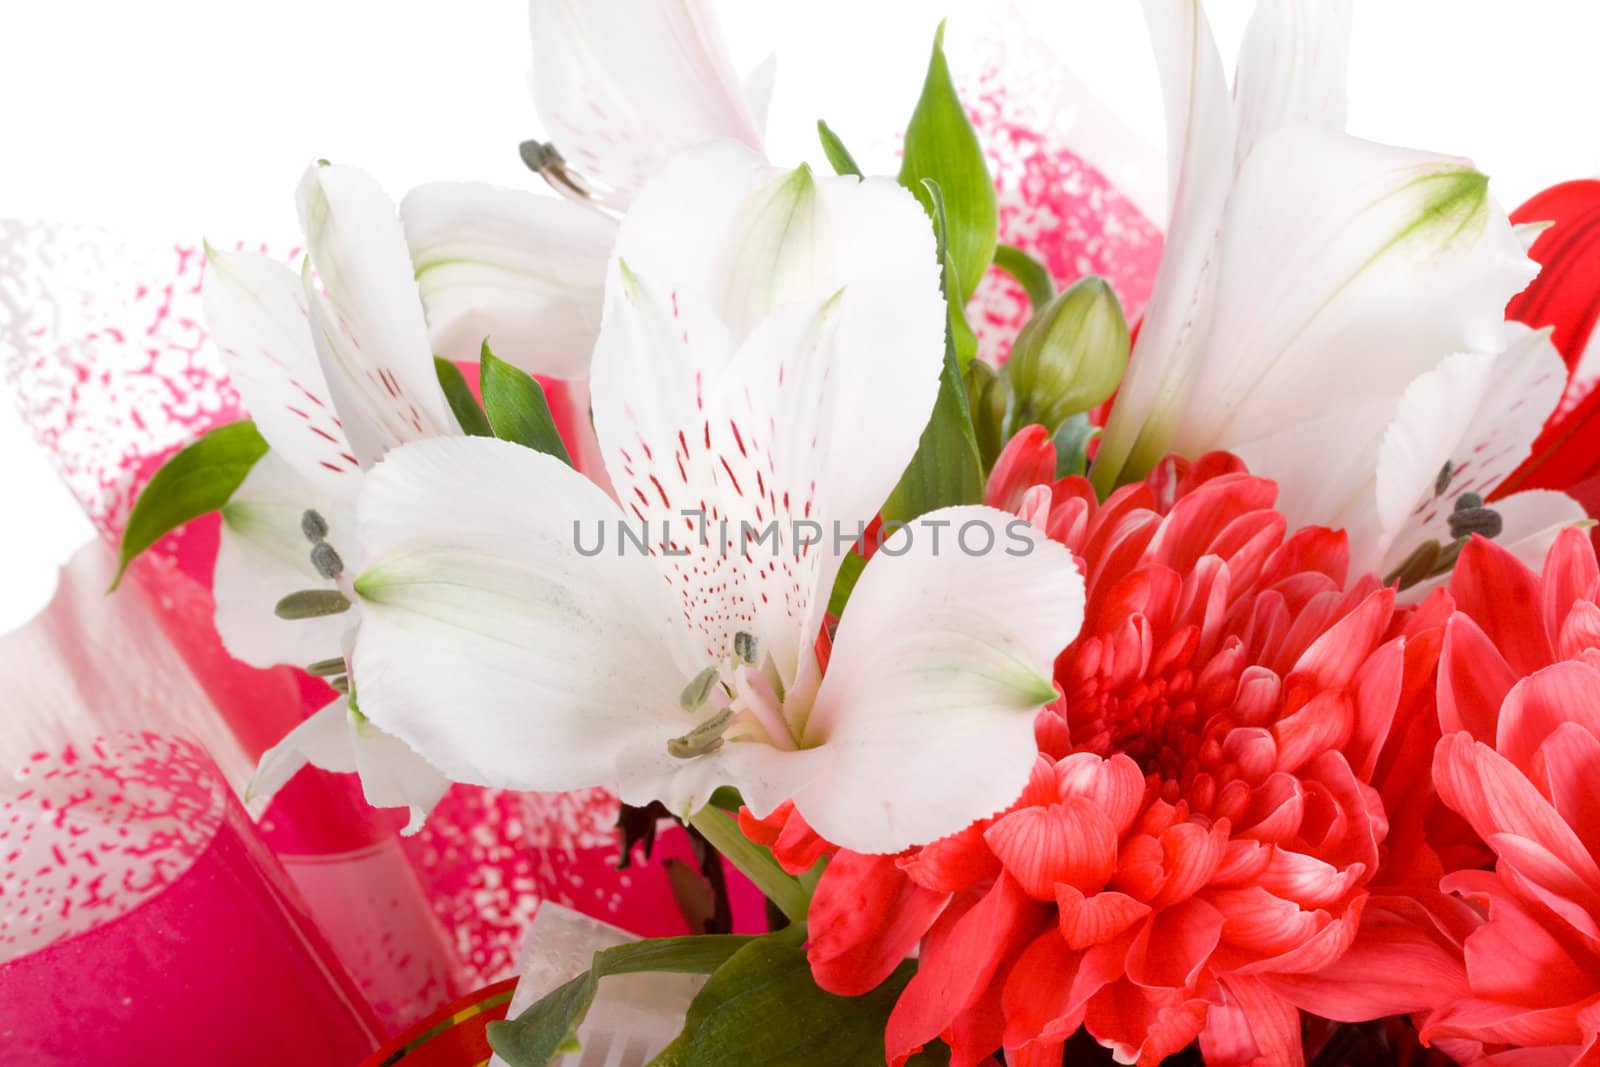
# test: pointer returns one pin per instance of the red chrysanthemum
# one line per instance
(1199, 824)
(1519, 701)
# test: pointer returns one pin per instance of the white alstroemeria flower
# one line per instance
(1308, 277)
(333, 377)
(619, 85)
(1460, 430)
(770, 352)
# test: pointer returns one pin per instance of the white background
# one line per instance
(189, 117)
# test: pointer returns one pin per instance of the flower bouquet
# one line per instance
(1220, 686)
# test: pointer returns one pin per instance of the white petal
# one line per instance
(765, 776)
(1200, 140)
(815, 416)
(392, 775)
(1344, 270)
(1478, 412)
(255, 311)
(727, 229)
(489, 643)
(368, 328)
(758, 86)
(941, 661)
(1321, 483)
(620, 86)
(688, 222)
(1292, 68)
(262, 556)
(324, 740)
(527, 272)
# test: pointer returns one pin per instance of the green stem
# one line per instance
(754, 861)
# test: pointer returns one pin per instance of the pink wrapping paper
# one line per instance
(142, 920)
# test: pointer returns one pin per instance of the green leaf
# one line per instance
(515, 405)
(838, 155)
(763, 1006)
(1028, 272)
(965, 341)
(941, 145)
(195, 481)
(947, 467)
(1072, 444)
(550, 1026)
(459, 395)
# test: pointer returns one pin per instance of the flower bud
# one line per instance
(1070, 356)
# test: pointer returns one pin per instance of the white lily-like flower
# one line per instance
(620, 85)
(1309, 277)
(1458, 432)
(770, 352)
(333, 377)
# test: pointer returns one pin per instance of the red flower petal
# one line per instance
(1570, 758)
(953, 864)
(1047, 990)
(1503, 596)
(1174, 944)
(1496, 798)
(954, 972)
(1115, 786)
(1071, 842)
(1092, 920)
(1404, 960)
(1571, 573)
(1028, 459)
(1565, 692)
(1142, 1027)
(1566, 294)
(865, 918)
(1473, 680)
(1252, 1027)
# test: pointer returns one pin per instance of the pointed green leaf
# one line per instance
(550, 1026)
(941, 145)
(763, 1006)
(961, 334)
(515, 405)
(459, 395)
(947, 468)
(966, 342)
(194, 482)
(1028, 273)
(838, 155)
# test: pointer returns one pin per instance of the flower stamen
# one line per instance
(707, 737)
(698, 691)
